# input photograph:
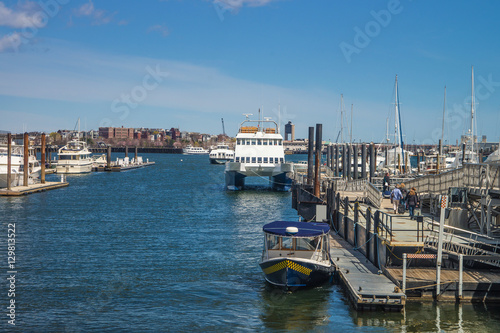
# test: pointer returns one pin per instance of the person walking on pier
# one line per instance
(412, 201)
(387, 182)
(404, 193)
(395, 197)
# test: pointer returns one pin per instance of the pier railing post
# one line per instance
(404, 273)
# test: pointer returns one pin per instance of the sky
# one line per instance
(189, 63)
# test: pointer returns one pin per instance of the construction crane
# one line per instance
(223, 130)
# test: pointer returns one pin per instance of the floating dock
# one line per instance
(33, 188)
(366, 286)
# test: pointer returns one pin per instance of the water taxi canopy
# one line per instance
(305, 229)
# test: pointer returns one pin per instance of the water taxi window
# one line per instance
(276, 160)
(259, 142)
(248, 159)
(264, 143)
(248, 142)
(286, 243)
(281, 159)
(259, 160)
(237, 159)
(238, 142)
(279, 142)
(273, 242)
(254, 159)
(305, 244)
(265, 159)
(253, 142)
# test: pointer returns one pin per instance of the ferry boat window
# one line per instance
(253, 142)
(254, 159)
(248, 159)
(265, 159)
(273, 242)
(237, 159)
(238, 142)
(305, 244)
(286, 243)
(279, 142)
(264, 143)
(281, 159)
(259, 160)
(248, 142)
(259, 142)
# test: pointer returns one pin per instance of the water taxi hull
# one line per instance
(219, 160)
(291, 273)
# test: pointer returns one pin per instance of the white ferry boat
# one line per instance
(190, 150)
(221, 154)
(75, 157)
(259, 152)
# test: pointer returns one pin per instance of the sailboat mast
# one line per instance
(472, 115)
(442, 129)
(342, 118)
(350, 132)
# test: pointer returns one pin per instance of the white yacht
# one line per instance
(17, 166)
(259, 152)
(190, 150)
(75, 157)
(221, 154)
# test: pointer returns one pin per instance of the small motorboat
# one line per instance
(296, 254)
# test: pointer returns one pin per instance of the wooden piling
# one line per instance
(9, 160)
(42, 175)
(373, 161)
(108, 158)
(344, 161)
(317, 165)
(336, 165)
(135, 156)
(26, 163)
(355, 161)
(310, 158)
(418, 161)
(363, 161)
(348, 161)
(126, 151)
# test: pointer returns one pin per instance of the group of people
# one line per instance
(400, 196)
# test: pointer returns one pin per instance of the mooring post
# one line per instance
(317, 165)
(126, 151)
(418, 162)
(135, 156)
(310, 157)
(376, 221)
(108, 158)
(348, 161)
(463, 153)
(344, 161)
(460, 275)
(26, 156)
(368, 227)
(355, 160)
(355, 226)
(42, 175)
(9, 160)
(404, 273)
(346, 216)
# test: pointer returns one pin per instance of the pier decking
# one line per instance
(365, 285)
(33, 188)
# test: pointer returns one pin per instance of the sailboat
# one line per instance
(397, 160)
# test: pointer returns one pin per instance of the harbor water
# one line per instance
(167, 249)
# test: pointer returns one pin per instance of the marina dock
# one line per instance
(33, 188)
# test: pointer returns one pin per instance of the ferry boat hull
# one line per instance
(279, 175)
(219, 160)
(294, 273)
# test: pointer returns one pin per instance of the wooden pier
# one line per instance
(33, 188)
(366, 286)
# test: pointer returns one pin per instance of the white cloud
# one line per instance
(160, 28)
(10, 42)
(237, 4)
(25, 16)
(98, 16)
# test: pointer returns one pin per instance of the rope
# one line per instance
(430, 285)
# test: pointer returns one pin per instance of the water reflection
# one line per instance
(302, 310)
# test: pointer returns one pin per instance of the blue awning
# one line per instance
(306, 229)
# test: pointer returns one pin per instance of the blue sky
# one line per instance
(187, 63)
